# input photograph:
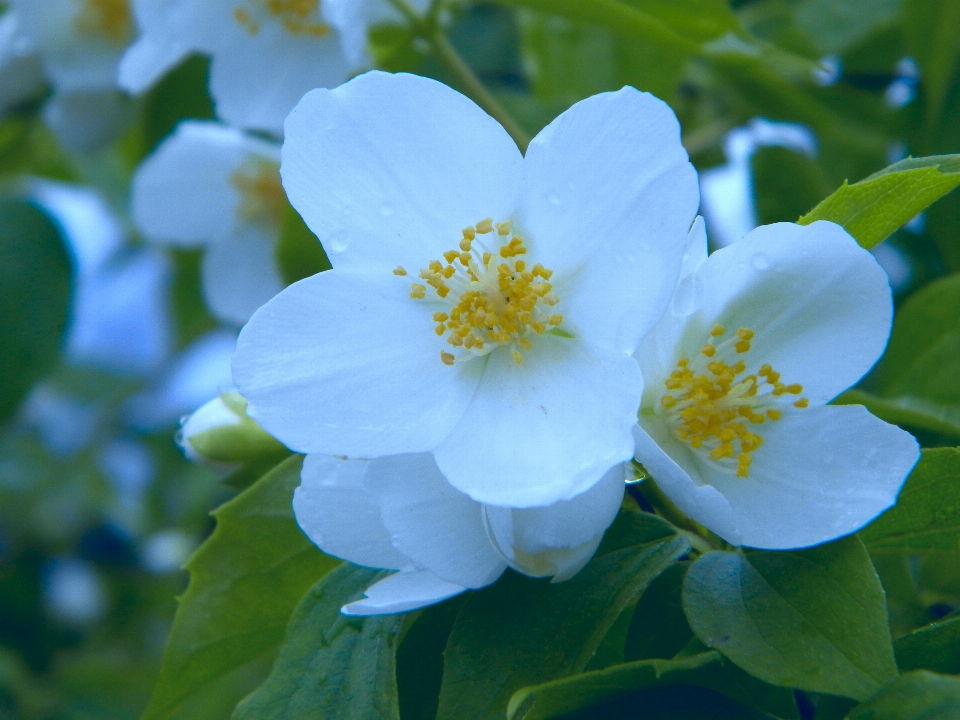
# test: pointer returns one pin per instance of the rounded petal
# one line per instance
(87, 121)
(820, 474)
(387, 169)
(559, 539)
(184, 194)
(345, 363)
(608, 198)
(703, 503)
(240, 275)
(256, 81)
(148, 60)
(431, 522)
(403, 592)
(545, 430)
(819, 304)
(333, 509)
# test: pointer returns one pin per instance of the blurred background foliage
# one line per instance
(106, 341)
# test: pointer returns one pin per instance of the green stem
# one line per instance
(702, 539)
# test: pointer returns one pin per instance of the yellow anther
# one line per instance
(520, 266)
(668, 401)
(774, 414)
(465, 259)
(525, 343)
(486, 258)
(440, 329)
(708, 350)
(795, 389)
(449, 271)
(446, 358)
(717, 331)
(802, 403)
(517, 357)
(779, 388)
(538, 327)
(550, 299)
(469, 233)
(440, 317)
(465, 245)
(745, 334)
(443, 291)
(435, 266)
(418, 291)
(503, 228)
(555, 319)
(742, 346)
(743, 465)
(451, 255)
(399, 271)
(485, 226)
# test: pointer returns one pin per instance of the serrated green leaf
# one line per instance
(872, 209)
(908, 411)
(331, 665)
(35, 290)
(918, 695)
(245, 582)
(933, 647)
(299, 252)
(521, 631)
(708, 669)
(927, 513)
(785, 617)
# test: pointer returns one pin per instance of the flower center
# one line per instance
(262, 198)
(717, 407)
(494, 298)
(298, 17)
(106, 18)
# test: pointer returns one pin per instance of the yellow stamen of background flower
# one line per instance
(107, 18)
(298, 17)
(262, 196)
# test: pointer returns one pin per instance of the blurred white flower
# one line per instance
(216, 187)
(515, 369)
(400, 513)
(734, 425)
(21, 75)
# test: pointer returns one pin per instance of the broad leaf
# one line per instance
(35, 288)
(522, 631)
(245, 581)
(707, 669)
(659, 629)
(919, 695)
(933, 35)
(908, 411)
(813, 619)
(933, 647)
(927, 513)
(872, 209)
(299, 252)
(331, 665)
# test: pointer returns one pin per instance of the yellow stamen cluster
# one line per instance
(711, 406)
(107, 18)
(262, 196)
(494, 298)
(296, 16)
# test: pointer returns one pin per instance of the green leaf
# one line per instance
(180, 95)
(707, 669)
(872, 209)
(659, 629)
(332, 665)
(521, 631)
(836, 25)
(245, 581)
(907, 410)
(933, 647)
(813, 619)
(299, 252)
(918, 695)
(923, 356)
(786, 184)
(35, 290)
(933, 37)
(927, 513)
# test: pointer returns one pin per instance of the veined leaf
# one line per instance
(908, 410)
(933, 647)
(245, 582)
(918, 695)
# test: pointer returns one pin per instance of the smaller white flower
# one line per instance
(734, 424)
(266, 54)
(212, 415)
(21, 75)
(213, 186)
(400, 513)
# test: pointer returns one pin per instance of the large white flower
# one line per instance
(483, 305)
(213, 186)
(734, 425)
(400, 513)
(266, 53)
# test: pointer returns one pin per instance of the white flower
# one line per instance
(214, 186)
(21, 75)
(514, 369)
(734, 425)
(400, 513)
(266, 53)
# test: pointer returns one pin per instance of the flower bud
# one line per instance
(221, 433)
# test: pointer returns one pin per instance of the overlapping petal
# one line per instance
(240, 275)
(402, 592)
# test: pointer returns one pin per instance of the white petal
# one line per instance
(183, 193)
(88, 121)
(387, 169)
(431, 522)
(256, 81)
(148, 60)
(609, 197)
(545, 430)
(703, 503)
(403, 592)
(333, 509)
(240, 275)
(697, 248)
(821, 473)
(346, 363)
(820, 305)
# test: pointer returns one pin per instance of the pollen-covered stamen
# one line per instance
(107, 18)
(257, 180)
(298, 17)
(494, 298)
(715, 406)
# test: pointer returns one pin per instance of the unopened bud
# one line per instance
(221, 433)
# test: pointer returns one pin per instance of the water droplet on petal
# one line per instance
(760, 262)
(688, 296)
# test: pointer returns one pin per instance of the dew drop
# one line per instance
(760, 262)
(688, 296)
